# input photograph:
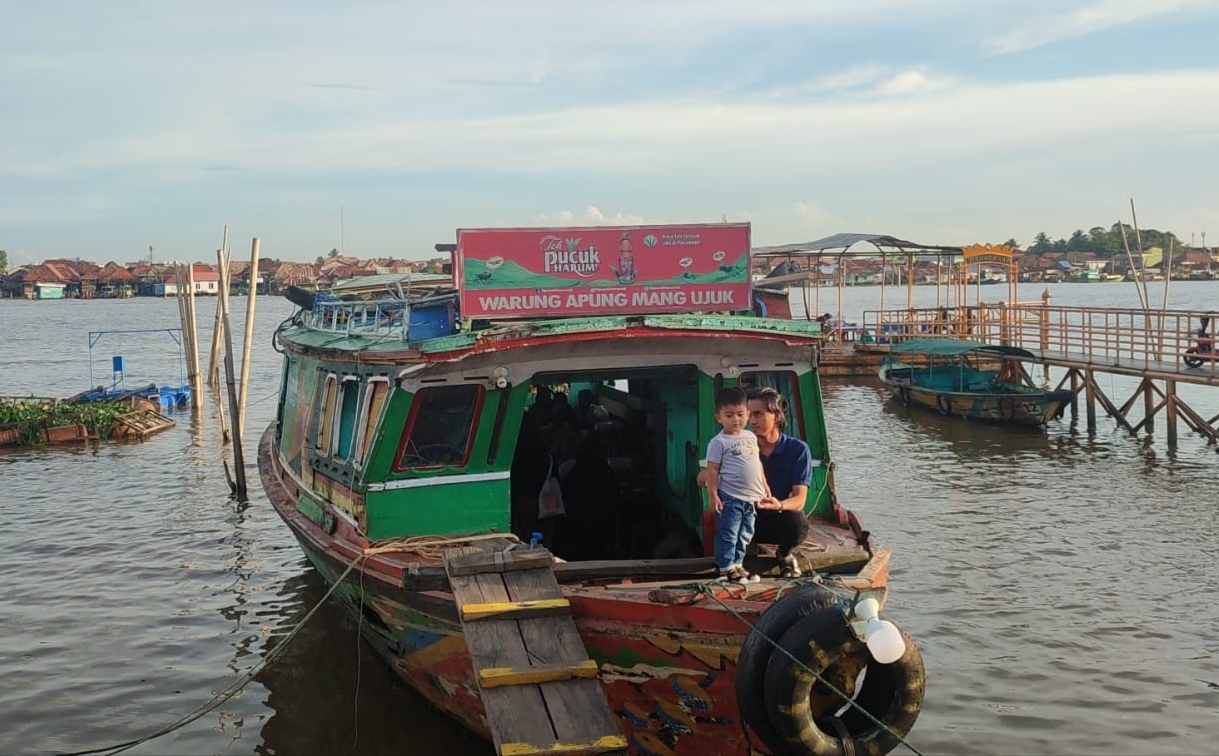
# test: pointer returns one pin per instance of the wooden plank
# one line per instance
(606, 744)
(578, 709)
(515, 610)
(515, 714)
(428, 578)
(494, 677)
(500, 561)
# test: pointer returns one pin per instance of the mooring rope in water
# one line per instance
(707, 589)
(232, 688)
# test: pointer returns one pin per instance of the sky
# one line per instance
(379, 128)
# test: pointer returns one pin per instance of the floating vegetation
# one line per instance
(36, 421)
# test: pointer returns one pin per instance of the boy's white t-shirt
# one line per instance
(741, 475)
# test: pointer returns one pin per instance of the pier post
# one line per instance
(1149, 407)
(1090, 399)
(1170, 408)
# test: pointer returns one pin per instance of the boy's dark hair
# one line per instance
(730, 397)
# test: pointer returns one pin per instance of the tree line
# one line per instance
(1104, 242)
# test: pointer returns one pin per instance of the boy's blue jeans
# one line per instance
(733, 531)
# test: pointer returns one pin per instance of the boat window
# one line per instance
(374, 401)
(440, 428)
(349, 402)
(782, 381)
(324, 415)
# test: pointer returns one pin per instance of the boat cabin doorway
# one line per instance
(624, 446)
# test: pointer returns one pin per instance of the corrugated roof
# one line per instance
(388, 280)
(843, 242)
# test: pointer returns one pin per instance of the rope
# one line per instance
(705, 588)
(432, 547)
(232, 688)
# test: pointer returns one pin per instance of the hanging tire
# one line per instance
(903, 395)
(794, 606)
(1191, 361)
(944, 404)
(803, 710)
(1006, 408)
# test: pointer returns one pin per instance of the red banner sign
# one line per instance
(515, 272)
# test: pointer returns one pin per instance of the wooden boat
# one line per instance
(412, 443)
(970, 379)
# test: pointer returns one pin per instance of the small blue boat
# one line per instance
(955, 377)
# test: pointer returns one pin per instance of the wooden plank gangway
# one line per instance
(537, 683)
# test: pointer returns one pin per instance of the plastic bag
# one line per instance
(550, 498)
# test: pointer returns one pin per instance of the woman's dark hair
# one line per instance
(775, 403)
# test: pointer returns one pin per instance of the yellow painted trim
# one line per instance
(600, 745)
(494, 677)
(471, 611)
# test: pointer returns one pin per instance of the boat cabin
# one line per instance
(458, 432)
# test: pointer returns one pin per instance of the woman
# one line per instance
(788, 465)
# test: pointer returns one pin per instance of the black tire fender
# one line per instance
(903, 394)
(792, 607)
(944, 404)
(801, 708)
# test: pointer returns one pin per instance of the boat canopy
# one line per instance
(951, 347)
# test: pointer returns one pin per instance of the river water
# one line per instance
(1061, 586)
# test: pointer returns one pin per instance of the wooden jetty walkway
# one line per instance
(537, 683)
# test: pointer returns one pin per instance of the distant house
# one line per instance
(207, 279)
(44, 281)
(115, 281)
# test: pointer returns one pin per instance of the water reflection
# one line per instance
(329, 693)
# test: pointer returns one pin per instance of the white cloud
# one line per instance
(1060, 25)
(591, 216)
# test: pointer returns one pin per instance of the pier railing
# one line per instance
(1132, 338)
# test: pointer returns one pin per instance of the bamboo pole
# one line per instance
(1138, 238)
(213, 367)
(239, 488)
(179, 294)
(1138, 274)
(239, 423)
(192, 346)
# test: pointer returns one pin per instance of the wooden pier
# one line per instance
(537, 683)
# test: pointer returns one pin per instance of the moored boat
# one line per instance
(970, 379)
(415, 457)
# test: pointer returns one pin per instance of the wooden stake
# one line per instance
(213, 367)
(192, 347)
(239, 488)
(239, 423)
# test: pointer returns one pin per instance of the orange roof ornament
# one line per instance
(987, 253)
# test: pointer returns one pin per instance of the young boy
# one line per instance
(735, 483)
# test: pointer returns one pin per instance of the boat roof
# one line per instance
(950, 347)
(389, 282)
